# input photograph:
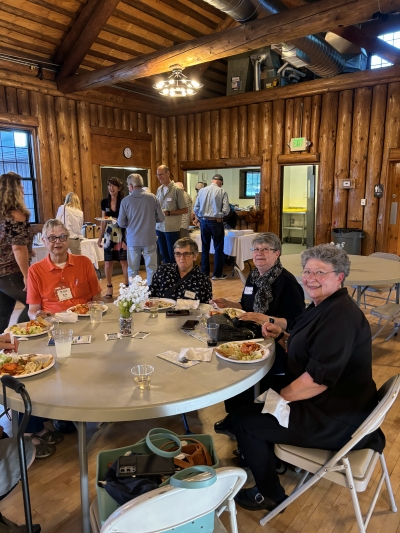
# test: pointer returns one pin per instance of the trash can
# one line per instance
(349, 239)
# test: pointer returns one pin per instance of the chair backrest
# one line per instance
(168, 507)
(384, 255)
(387, 395)
(240, 274)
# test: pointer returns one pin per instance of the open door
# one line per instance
(310, 233)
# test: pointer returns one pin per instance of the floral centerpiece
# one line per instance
(131, 300)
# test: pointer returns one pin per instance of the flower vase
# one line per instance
(125, 326)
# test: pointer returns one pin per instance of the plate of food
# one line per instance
(83, 309)
(26, 365)
(242, 352)
(232, 312)
(164, 305)
(106, 219)
(33, 328)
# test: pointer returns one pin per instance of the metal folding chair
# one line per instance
(389, 313)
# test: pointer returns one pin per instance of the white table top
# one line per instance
(364, 270)
(88, 246)
(95, 383)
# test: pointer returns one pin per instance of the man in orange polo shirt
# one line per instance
(60, 280)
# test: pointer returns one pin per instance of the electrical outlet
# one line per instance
(363, 201)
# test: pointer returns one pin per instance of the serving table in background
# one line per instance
(364, 271)
(235, 246)
(89, 249)
(95, 383)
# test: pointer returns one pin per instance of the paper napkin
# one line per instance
(67, 317)
(173, 357)
(187, 304)
(195, 354)
(276, 406)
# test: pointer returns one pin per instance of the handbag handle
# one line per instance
(163, 434)
(184, 478)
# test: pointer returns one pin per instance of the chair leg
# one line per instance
(388, 484)
(186, 425)
(395, 330)
(353, 493)
(380, 329)
(232, 515)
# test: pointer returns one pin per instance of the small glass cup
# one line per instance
(53, 321)
(153, 305)
(212, 334)
(63, 341)
(142, 375)
(95, 312)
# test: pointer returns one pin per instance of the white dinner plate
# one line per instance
(171, 304)
(264, 349)
(23, 376)
(104, 309)
(228, 311)
(29, 335)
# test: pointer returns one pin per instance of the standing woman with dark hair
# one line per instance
(115, 248)
(15, 247)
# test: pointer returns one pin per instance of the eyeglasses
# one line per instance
(183, 254)
(262, 250)
(54, 238)
(318, 274)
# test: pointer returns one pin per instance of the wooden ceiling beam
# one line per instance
(291, 24)
(380, 26)
(116, 46)
(43, 21)
(88, 32)
(52, 6)
(192, 13)
(11, 26)
(131, 36)
(207, 7)
(373, 45)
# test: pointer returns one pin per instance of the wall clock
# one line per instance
(127, 153)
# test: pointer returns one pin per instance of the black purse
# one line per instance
(249, 324)
(228, 331)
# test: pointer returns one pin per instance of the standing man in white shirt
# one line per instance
(212, 204)
(186, 219)
(174, 205)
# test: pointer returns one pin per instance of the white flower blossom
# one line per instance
(132, 299)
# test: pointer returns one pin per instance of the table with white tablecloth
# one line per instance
(88, 246)
(238, 246)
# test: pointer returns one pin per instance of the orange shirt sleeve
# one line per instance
(33, 292)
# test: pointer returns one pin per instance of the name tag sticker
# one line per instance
(248, 290)
(169, 199)
(190, 294)
(64, 294)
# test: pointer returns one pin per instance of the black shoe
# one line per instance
(225, 427)
(253, 500)
(64, 426)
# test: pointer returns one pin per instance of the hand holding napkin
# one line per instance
(276, 406)
(186, 304)
(67, 317)
(195, 354)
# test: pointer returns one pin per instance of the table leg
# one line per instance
(256, 390)
(83, 468)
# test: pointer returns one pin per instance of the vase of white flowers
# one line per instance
(131, 300)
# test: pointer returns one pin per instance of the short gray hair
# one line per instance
(135, 180)
(51, 224)
(270, 239)
(328, 253)
(187, 241)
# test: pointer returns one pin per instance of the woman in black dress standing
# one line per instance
(328, 379)
(114, 237)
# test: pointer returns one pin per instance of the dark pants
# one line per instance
(12, 291)
(165, 242)
(211, 229)
(247, 396)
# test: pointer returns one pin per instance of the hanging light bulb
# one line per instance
(177, 85)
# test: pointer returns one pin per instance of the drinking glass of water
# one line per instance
(142, 375)
(95, 312)
(153, 304)
(63, 341)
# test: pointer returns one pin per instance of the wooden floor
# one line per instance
(327, 508)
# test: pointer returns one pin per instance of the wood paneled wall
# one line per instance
(351, 130)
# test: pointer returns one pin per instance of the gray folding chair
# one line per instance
(351, 469)
(389, 313)
(240, 274)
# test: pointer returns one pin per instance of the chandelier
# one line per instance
(177, 85)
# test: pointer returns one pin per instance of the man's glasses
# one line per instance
(318, 274)
(183, 254)
(54, 238)
(262, 250)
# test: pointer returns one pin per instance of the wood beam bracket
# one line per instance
(298, 159)
(254, 161)
(111, 132)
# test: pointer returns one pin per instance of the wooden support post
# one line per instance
(197, 136)
(215, 134)
(242, 131)
(278, 136)
(306, 126)
(110, 117)
(173, 147)
(54, 154)
(252, 129)
(164, 142)
(75, 159)
(182, 145)
(342, 158)
(265, 147)
(234, 133)
(315, 123)
(117, 118)
(206, 135)
(190, 137)
(23, 102)
(150, 125)
(101, 115)
(297, 117)
(374, 165)
(142, 122)
(289, 123)
(125, 119)
(64, 144)
(3, 102)
(90, 188)
(94, 116)
(224, 133)
(12, 102)
(133, 121)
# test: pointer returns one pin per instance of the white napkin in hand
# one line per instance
(276, 406)
(68, 317)
(195, 354)
(187, 304)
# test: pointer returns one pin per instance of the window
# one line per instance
(249, 183)
(391, 38)
(16, 156)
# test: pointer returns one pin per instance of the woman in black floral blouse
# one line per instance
(15, 247)
(182, 279)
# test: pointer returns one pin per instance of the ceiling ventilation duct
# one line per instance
(312, 51)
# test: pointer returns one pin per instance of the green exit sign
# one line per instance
(298, 144)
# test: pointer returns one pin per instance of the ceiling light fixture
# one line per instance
(177, 85)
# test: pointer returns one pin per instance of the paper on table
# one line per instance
(67, 317)
(276, 406)
(195, 354)
(199, 335)
(172, 357)
(186, 304)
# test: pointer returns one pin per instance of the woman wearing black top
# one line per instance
(270, 290)
(114, 237)
(328, 379)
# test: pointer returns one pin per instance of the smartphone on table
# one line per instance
(190, 324)
(178, 312)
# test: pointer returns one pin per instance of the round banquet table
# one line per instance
(364, 271)
(95, 383)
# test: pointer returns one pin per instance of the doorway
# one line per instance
(298, 207)
(122, 173)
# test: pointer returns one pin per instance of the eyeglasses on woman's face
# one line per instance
(54, 238)
(318, 274)
(263, 250)
(178, 255)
